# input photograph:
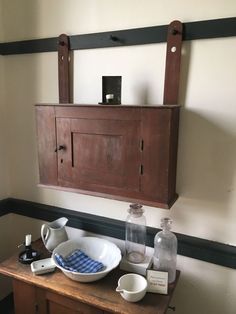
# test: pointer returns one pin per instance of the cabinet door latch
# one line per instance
(141, 144)
(141, 169)
(60, 147)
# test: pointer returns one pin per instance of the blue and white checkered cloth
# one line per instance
(78, 261)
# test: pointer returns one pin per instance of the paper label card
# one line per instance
(157, 281)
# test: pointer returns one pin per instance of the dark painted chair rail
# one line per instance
(197, 248)
(224, 27)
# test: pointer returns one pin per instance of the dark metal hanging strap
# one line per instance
(63, 69)
(173, 58)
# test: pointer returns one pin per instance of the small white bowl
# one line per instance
(98, 249)
(132, 287)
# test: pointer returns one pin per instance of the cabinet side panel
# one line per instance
(24, 297)
(155, 155)
(174, 131)
(46, 138)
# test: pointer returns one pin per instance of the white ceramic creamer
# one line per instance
(54, 233)
(132, 287)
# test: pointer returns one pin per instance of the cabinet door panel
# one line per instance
(99, 153)
(55, 308)
(57, 304)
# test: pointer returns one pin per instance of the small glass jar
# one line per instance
(135, 235)
(165, 250)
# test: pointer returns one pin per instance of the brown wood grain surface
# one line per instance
(46, 140)
(63, 69)
(173, 60)
(160, 138)
(98, 151)
(100, 294)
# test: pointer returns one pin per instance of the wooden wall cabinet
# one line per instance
(121, 152)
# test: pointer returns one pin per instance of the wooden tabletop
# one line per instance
(100, 294)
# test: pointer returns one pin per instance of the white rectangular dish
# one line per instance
(43, 266)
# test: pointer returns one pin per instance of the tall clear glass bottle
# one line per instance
(135, 234)
(165, 250)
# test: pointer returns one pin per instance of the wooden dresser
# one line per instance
(56, 294)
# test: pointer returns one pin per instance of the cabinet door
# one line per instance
(99, 155)
(56, 304)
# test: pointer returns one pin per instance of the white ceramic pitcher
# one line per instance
(54, 233)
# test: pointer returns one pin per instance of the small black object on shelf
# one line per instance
(111, 90)
(29, 254)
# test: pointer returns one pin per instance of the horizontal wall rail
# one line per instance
(197, 248)
(224, 27)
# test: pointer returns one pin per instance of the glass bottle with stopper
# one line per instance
(135, 235)
(165, 250)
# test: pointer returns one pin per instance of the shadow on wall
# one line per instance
(184, 71)
(207, 151)
(208, 158)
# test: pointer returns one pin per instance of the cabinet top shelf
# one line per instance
(109, 106)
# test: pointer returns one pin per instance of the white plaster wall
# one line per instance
(4, 184)
(4, 175)
(5, 284)
(1, 21)
(42, 18)
(206, 177)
